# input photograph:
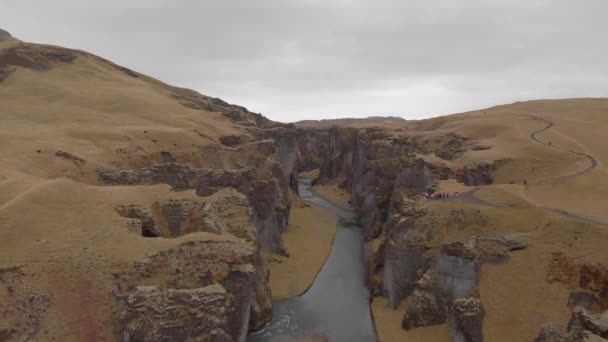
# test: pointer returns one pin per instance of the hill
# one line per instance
(518, 244)
(132, 209)
(117, 189)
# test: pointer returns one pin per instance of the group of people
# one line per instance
(439, 195)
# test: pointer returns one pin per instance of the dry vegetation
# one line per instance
(309, 237)
(66, 113)
(564, 215)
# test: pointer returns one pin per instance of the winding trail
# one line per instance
(470, 198)
(533, 136)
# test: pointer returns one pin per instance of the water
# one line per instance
(337, 304)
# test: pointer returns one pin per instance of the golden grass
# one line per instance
(308, 239)
(312, 174)
(451, 186)
(516, 295)
(54, 222)
(92, 111)
(333, 193)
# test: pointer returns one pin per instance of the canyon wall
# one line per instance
(405, 256)
(153, 204)
(233, 297)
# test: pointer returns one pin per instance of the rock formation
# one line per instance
(134, 210)
(406, 258)
(587, 279)
(163, 217)
(583, 326)
(22, 309)
(266, 190)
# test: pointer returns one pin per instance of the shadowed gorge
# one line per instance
(336, 305)
(449, 225)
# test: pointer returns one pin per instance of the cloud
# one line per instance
(300, 59)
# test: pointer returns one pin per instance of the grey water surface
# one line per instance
(337, 304)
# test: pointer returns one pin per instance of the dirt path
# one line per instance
(470, 198)
(533, 136)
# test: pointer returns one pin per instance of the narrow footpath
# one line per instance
(470, 198)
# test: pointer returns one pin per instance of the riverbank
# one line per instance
(333, 193)
(330, 191)
(309, 240)
(336, 305)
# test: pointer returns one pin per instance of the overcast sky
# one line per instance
(311, 59)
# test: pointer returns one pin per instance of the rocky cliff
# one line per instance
(134, 210)
(152, 204)
(386, 178)
(425, 257)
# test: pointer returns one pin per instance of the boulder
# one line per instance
(422, 308)
(584, 326)
(583, 320)
(467, 319)
(550, 333)
(585, 299)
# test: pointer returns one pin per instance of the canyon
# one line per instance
(134, 210)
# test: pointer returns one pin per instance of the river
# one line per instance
(337, 304)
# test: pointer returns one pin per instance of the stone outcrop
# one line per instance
(203, 290)
(265, 188)
(22, 309)
(237, 114)
(423, 307)
(211, 290)
(583, 327)
(36, 57)
(583, 320)
(457, 270)
(225, 212)
(155, 314)
(588, 280)
(405, 257)
(374, 164)
(70, 157)
(286, 149)
(313, 145)
(447, 147)
(467, 318)
(152, 264)
(551, 333)
(232, 295)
